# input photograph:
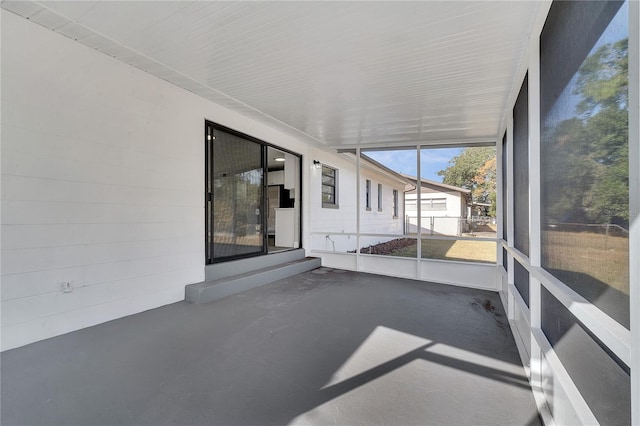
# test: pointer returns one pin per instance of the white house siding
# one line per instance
(102, 185)
(437, 222)
(333, 228)
(381, 222)
(330, 228)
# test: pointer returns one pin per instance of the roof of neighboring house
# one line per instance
(385, 169)
(438, 184)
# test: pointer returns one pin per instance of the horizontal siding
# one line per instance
(102, 185)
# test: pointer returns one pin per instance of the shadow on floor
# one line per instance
(323, 347)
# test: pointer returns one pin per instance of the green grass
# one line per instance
(461, 250)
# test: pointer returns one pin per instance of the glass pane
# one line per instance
(521, 170)
(328, 189)
(585, 176)
(237, 196)
(328, 171)
(603, 381)
(328, 180)
(460, 250)
(328, 198)
(283, 200)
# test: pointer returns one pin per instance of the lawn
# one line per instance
(585, 254)
(462, 250)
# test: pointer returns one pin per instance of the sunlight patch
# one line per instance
(382, 345)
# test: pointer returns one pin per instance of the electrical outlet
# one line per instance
(67, 287)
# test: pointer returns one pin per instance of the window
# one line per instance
(434, 204)
(395, 203)
(379, 197)
(368, 199)
(329, 187)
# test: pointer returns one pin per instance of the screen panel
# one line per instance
(521, 170)
(602, 379)
(584, 151)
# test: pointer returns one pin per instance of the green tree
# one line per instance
(585, 163)
(474, 169)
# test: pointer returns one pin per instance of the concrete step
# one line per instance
(208, 291)
(218, 271)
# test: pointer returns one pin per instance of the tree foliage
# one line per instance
(474, 169)
(585, 157)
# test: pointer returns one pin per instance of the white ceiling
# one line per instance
(339, 74)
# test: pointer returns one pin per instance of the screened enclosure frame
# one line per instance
(537, 352)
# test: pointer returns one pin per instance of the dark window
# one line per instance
(395, 203)
(329, 187)
(379, 197)
(584, 151)
(368, 195)
(521, 170)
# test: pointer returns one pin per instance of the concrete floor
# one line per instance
(324, 347)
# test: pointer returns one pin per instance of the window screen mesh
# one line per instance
(521, 280)
(505, 189)
(584, 151)
(602, 379)
(521, 170)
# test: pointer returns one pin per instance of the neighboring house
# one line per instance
(334, 203)
(445, 209)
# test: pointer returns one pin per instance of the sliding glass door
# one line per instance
(236, 193)
(252, 195)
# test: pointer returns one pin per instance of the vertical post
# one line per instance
(510, 228)
(419, 213)
(534, 207)
(358, 265)
(634, 204)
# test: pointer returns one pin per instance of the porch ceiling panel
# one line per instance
(332, 73)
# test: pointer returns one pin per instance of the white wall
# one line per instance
(437, 222)
(340, 223)
(380, 222)
(102, 185)
(331, 221)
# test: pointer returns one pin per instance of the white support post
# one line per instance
(534, 207)
(419, 212)
(499, 209)
(358, 260)
(510, 229)
(634, 204)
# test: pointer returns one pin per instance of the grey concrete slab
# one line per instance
(323, 347)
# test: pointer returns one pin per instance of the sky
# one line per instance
(565, 105)
(432, 160)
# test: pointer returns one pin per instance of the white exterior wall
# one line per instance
(438, 222)
(102, 185)
(376, 222)
(334, 229)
